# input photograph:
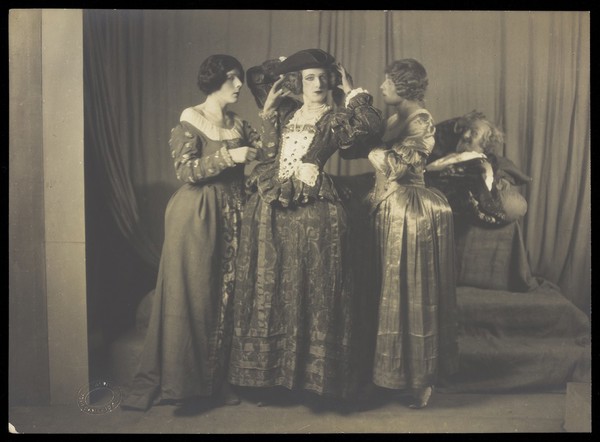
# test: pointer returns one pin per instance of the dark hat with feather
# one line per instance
(260, 79)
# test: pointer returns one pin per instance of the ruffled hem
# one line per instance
(289, 192)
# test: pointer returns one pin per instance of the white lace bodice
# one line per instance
(296, 139)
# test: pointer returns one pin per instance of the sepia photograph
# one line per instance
(244, 221)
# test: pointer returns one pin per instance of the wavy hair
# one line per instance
(491, 141)
(213, 72)
(410, 78)
(293, 80)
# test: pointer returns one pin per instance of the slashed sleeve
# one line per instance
(358, 127)
(269, 137)
(190, 165)
(394, 162)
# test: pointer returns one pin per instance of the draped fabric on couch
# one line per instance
(527, 71)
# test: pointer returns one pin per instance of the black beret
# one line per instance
(305, 59)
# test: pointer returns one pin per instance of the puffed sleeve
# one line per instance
(190, 165)
(421, 129)
(394, 162)
(358, 127)
(269, 136)
(409, 152)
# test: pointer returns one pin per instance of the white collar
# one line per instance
(213, 132)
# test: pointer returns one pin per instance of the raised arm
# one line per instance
(277, 107)
(364, 124)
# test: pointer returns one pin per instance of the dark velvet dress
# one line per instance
(414, 257)
(294, 298)
(474, 201)
(187, 343)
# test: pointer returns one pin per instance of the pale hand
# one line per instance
(242, 154)
(347, 83)
(308, 173)
(275, 95)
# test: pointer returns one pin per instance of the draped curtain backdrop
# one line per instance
(527, 71)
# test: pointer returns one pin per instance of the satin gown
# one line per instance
(414, 261)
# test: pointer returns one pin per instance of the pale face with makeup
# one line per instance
(315, 85)
(388, 91)
(230, 90)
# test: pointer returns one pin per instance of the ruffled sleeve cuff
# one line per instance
(353, 93)
(269, 116)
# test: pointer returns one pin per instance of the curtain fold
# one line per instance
(108, 139)
(527, 71)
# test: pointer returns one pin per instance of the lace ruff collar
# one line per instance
(305, 117)
(213, 132)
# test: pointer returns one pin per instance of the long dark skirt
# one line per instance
(293, 308)
(188, 339)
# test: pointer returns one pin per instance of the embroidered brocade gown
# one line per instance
(413, 227)
(294, 305)
(187, 343)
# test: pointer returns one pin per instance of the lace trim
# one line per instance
(267, 115)
(353, 93)
(308, 173)
(304, 117)
(213, 132)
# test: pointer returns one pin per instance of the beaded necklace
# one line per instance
(308, 116)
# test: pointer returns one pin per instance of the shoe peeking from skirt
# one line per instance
(421, 397)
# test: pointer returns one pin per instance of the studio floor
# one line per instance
(446, 413)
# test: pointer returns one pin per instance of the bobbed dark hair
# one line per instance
(410, 78)
(213, 72)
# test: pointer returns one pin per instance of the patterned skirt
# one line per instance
(293, 308)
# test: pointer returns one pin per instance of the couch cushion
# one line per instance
(492, 258)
